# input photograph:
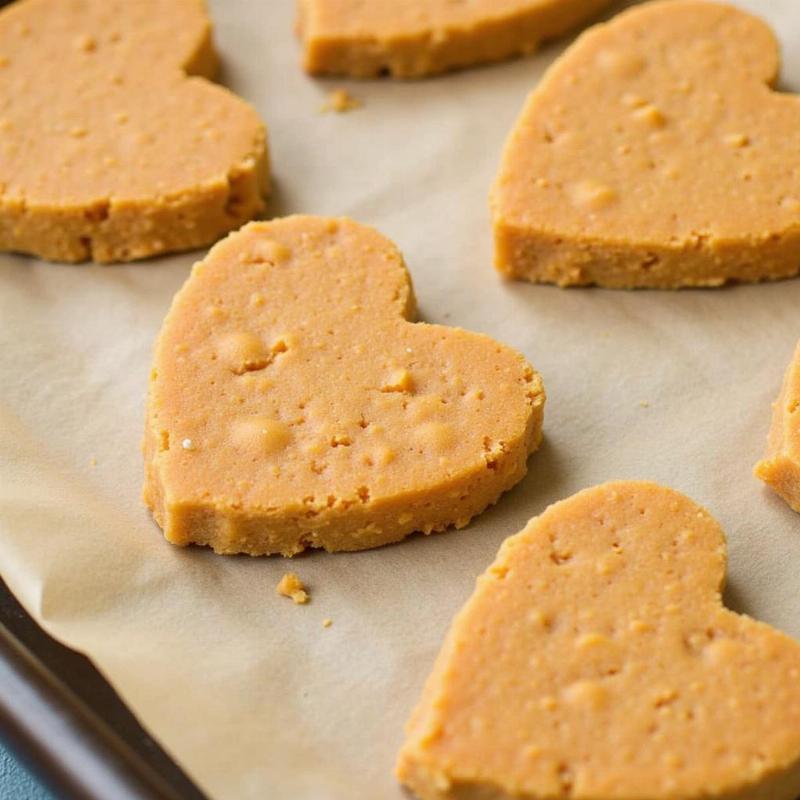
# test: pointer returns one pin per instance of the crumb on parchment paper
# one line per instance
(291, 586)
(341, 101)
(327, 622)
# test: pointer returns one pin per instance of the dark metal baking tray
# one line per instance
(63, 719)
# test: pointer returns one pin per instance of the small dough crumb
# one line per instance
(291, 586)
(326, 623)
(644, 404)
(341, 101)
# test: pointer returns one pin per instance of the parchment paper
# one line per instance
(247, 691)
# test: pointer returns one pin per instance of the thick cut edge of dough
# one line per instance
(780, 468)
(422, 52)
(230, 531)
(422, 779)
(128, 230)
(427, 783)
(545, 257)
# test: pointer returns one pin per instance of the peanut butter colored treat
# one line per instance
(108, 150)
(780, 467)
(654, 153)
(318, 414)
(595, 661)
(414, 38)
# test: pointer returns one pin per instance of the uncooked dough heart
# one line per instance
(595, 661)
(421, 37)
(654, 153)
(108, 151)
(293, 405)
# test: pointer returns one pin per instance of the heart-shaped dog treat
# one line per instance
(292, 404)
(595, 661)
(413, 38)
(654, 153)
(780, 467)
(108, 151)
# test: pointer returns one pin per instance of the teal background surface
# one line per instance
(16, 783)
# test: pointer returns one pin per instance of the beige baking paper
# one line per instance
(248, 691)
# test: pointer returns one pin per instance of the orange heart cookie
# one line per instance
(595, 661)
(780, 467)
(422, 37)
(108, 151)
(292, 404)
(654, 153)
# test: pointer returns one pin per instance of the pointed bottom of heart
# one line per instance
(595, 661)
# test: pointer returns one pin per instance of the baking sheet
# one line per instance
(247, 691)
